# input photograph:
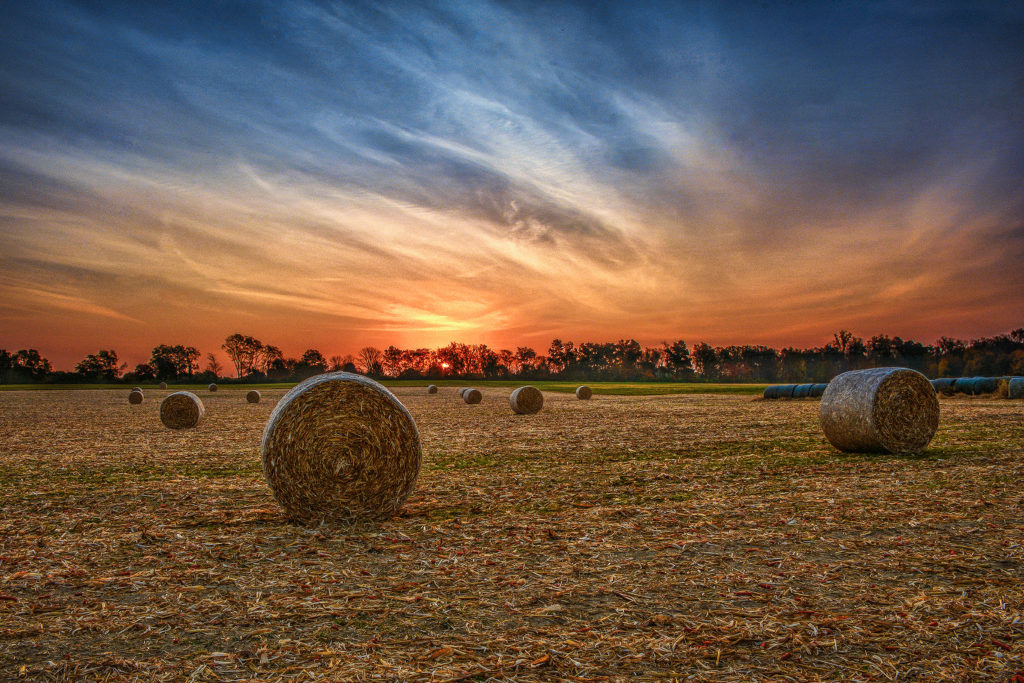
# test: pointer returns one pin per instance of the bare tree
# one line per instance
(371, 360)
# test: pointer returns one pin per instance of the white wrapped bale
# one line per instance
(878, 410)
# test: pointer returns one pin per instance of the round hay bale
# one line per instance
(136, 388)
(786, 390)
(253, 396)
(943, 385)
(431, 389)
(526, 400)
(801, 391)
(135, 396)
(181, 410)
(472, 396)
(1015, 388)
(212, 387)
(339, 447)
(584, 393)
(986, 385)
(963, 385)
(881, 409)
(771, 391)
(818, 389)
(163, 385)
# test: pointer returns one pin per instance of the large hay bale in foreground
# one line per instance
(584, 393)
(881, 409)
(1015, 388)
(163, 385)
(771, 391)
(431, 389)
(135, 396)
(253, 396)
(212, 387)
(339, 447)
(471, 396)
(526, 400)
(181, 410)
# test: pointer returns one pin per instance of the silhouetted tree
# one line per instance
(102, 366)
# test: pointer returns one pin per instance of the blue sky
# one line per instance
(338, 174)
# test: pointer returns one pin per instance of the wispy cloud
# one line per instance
(334, 175)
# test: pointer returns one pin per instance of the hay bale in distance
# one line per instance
(181, 410)
(1015, 388)
(472, 396)
(986, 385)
(881, 409)
(771, 391)
(584, 393)
(431, 389)
(801, 391)
(163, 385)
(818, 389)
(963, 385)
(526, 400)
(339, 447)
(212, 387)
(135, 396)
(943, 385)
(253, 396)
(786, 390)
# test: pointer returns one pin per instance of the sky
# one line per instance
(342, 174)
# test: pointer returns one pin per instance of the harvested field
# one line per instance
(692, 536)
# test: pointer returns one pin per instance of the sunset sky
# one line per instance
(342, 174)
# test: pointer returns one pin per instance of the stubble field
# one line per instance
(699, 536)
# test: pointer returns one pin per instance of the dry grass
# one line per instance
(704, 537)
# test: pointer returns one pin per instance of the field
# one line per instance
(703, 536)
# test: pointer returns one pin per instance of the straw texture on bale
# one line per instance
(526, 400)
(881, 409)
(431, 389)
(340, 447)
(771, 391)
(135, 396)
(212, 387)
(1015, 388)
(163, 385)
(584, 393)
(253, 396)
(472, 396)
(181, 410)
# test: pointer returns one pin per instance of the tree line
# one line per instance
(623, 360)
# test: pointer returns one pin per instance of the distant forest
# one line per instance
(623, 360)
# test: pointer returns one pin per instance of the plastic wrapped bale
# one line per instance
(818, 389)
(584, 393)
(526, 400)
(253, 396)
(181, 410)
(878, 410)
(771, 391)
(212, 387)
(163, 385)
(963, 385)
(943, 386)
(1015, 388)
(472, 396)
(340, 447)
(135, 397)
(431, 389)
(786, 390)
(801, 391)
(986, 385)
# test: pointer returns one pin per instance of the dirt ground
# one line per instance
(703, 537)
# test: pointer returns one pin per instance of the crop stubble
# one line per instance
(716, 537)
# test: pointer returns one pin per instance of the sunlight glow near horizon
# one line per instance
(317, 175)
